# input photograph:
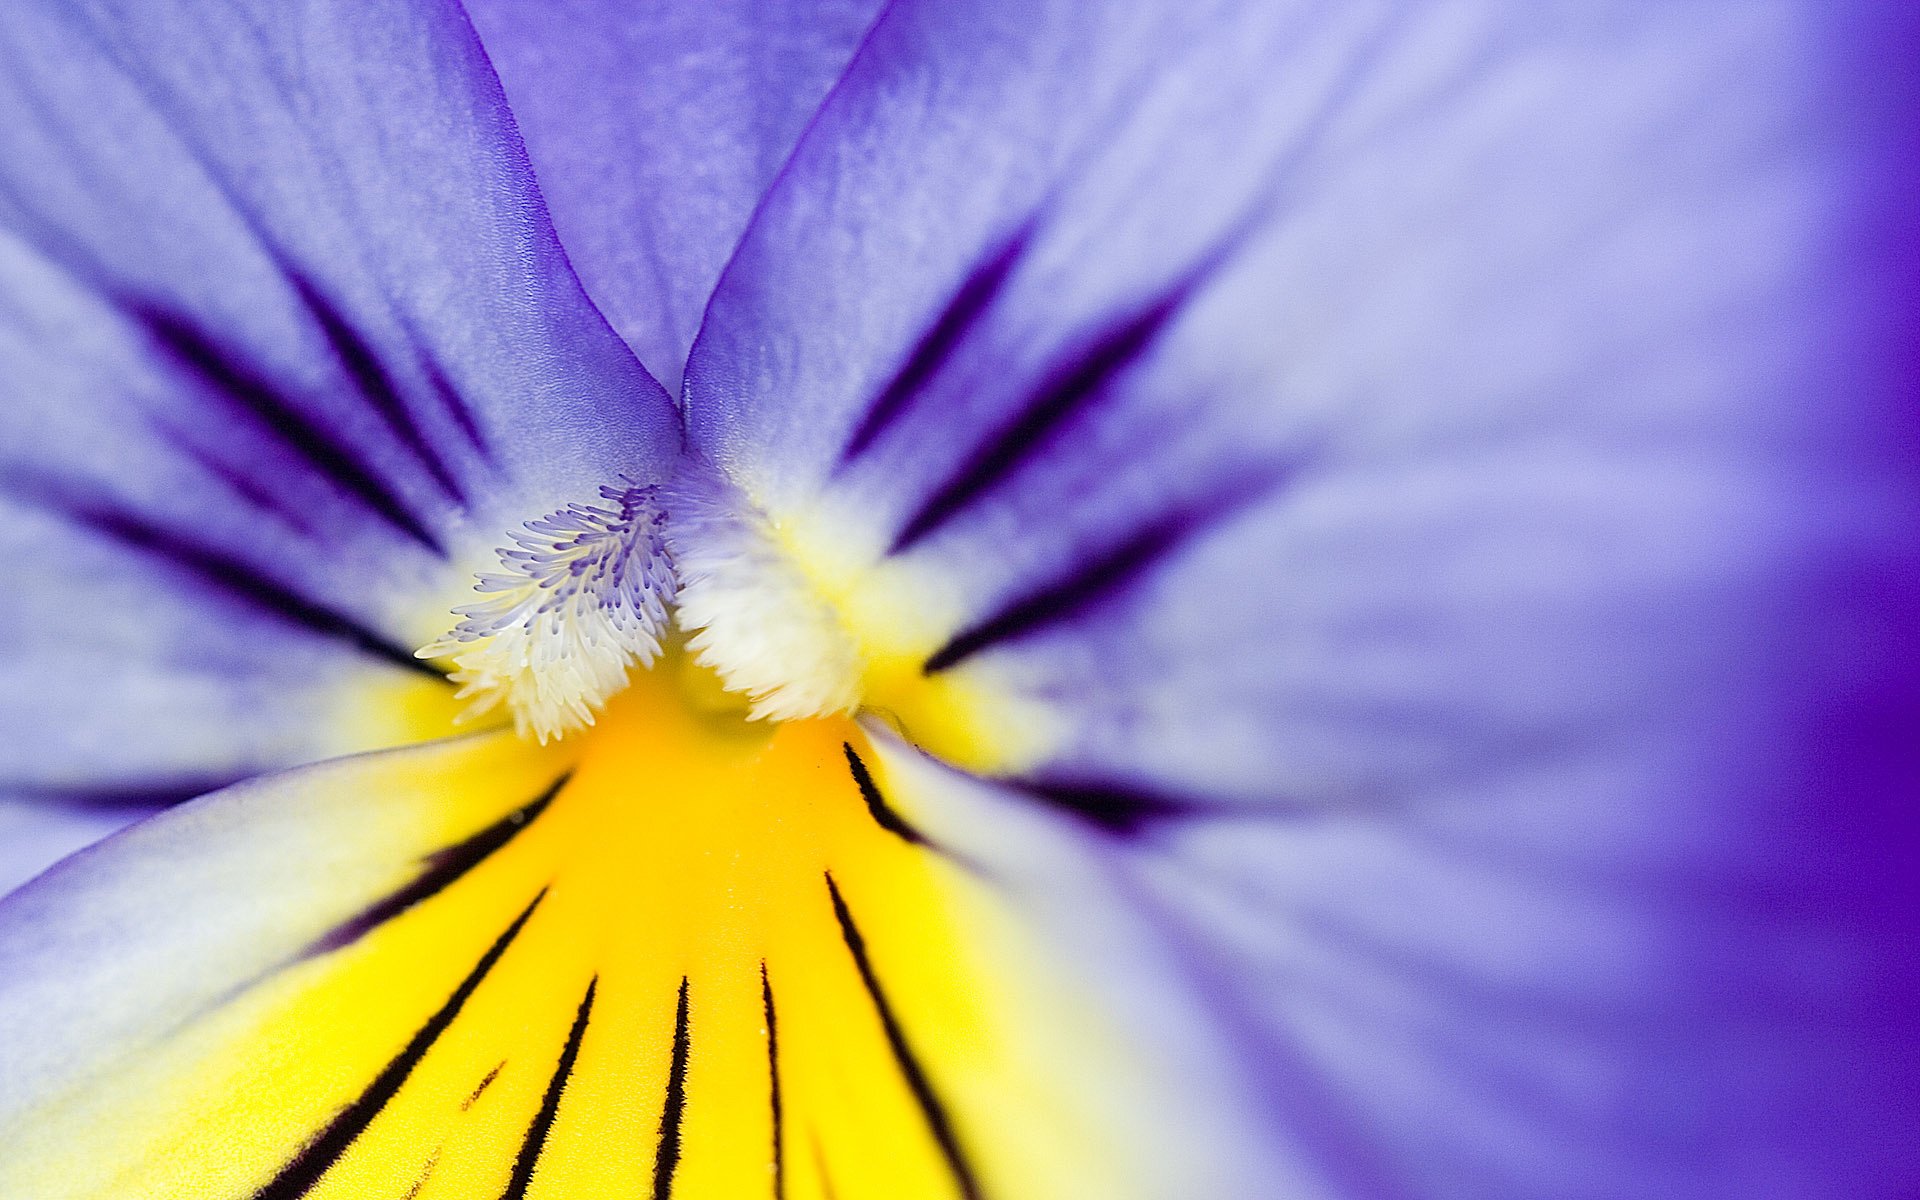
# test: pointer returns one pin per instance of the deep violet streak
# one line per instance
(773, 1085)
(673, 1110)
(218, 569)
(1066, 391)
(877, 806)
(938, 343)
(374, 382)
(247, 387)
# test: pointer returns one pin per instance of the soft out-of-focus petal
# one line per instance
(1467, 452)
(286, 342)
(1523, 988)
(1518, 996)
(1295, 403)
(655, 128)
(1132, 1081)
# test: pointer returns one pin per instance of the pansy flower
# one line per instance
(958, 598)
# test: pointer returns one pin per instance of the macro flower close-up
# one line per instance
(959, 600)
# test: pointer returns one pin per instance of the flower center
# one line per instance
(786, 620)
(582, 599)
(586, 594)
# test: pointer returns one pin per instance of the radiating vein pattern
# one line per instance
(662, 960)
(220, 568)
(440, 870)
(374, 382)
(313, 1161)
(1078, 381)
(1105, 574)
(225, 373)
(772, 1014)
(877, 806)
(957, 322)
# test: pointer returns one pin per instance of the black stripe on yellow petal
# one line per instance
(542, 1124)
(773, 1081)
(319, 1155)
(666, 1155)
(444, 868)
(877, 806)
(931, 1107)
(426, 1173)
(486, 1081)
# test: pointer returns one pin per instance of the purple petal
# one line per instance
(1474, 448)
(1456, 410)
(655, 129)
(277, 358)
(1525, 988)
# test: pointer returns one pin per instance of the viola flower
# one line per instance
(1193, 600)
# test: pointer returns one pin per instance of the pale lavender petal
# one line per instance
(35, 835)
(1470, 449)
(655, 128)
(286, 341)
(1306, 402)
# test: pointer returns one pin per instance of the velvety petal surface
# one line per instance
(655, 129)
(287, 344)
(1459, 462)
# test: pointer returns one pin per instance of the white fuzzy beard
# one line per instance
(749, 614)
(583, 600)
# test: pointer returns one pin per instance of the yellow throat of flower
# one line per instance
(675, 936)
(680, 952)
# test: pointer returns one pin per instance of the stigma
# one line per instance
(583, 598)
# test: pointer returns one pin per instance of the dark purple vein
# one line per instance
(226, 372)
(1066, 391)
(1118, 809)
(374, 382)
(457, 407)
(1062, 599)
(877, 807)
(486, 1081)
(938, 343)
(773, 1086)
(221, 570)
(1109, 572)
